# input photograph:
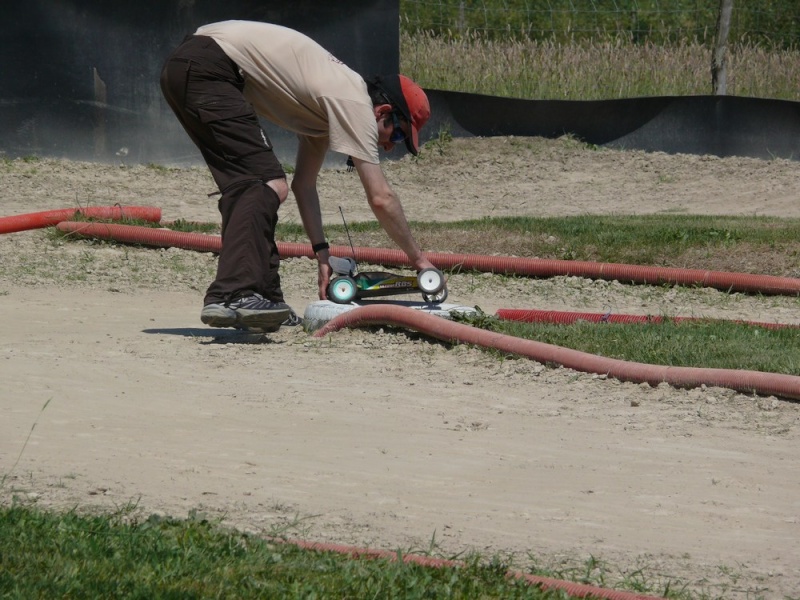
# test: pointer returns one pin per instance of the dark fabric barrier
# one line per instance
(80, 78)
(717, 125)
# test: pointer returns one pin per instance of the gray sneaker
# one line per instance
(218, 315)
(256, 312)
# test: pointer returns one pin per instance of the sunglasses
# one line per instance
(398, 135)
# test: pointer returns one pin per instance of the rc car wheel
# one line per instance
(430, 281)
(436, 298)
(342, 290)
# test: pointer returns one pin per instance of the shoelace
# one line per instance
(293, 320)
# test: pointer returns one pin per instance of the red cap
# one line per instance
(409, 98)
(419, 110)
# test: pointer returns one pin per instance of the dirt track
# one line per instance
(387, 439)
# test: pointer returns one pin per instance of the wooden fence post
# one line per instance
(719, 62)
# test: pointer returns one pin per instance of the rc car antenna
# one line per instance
(347, 231)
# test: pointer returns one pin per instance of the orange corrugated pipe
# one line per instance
(509, 265)
(46, 218)
(748, 382)
(576, 590)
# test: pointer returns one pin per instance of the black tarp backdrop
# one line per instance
(80, 78)
(716, 125)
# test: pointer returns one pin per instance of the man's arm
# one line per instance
(304, 186)
(389, 211)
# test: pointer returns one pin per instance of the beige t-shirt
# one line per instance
(298, 85)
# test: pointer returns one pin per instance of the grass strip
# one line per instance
(703, 343)
(762, 245)
(51, 555)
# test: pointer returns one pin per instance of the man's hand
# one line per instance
(423, 263)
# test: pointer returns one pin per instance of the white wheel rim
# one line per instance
(430, 281)
(343, 290)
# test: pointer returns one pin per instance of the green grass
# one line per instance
(48, 555)
(192, 226)
(764, 245)
(703, 343)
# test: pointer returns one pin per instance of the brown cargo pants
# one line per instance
(204, 89)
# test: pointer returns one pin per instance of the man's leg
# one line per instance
(204, 88)
(249, 263)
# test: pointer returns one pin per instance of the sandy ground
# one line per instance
(385, 438)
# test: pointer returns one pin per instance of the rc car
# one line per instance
(348, 284)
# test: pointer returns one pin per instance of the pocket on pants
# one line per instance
(235, 128)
